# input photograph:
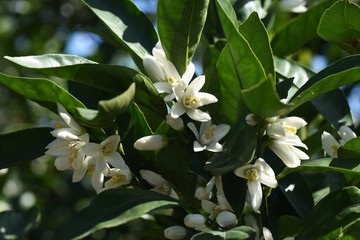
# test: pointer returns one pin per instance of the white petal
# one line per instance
(275, 131)
(116, 161)
(151, 143)
(62, 163)
(169, 97)
(296, 122)
(163, 87)
(198, 147)
(68, 119)
(65, 133)
(214, 147)
(240, 172)
(79, 174)
(329, 144)
(346, 134)
(198, 115)
(205, 98)
(208, 206)
(267, 180)
(112, 141)
(255, 193)
(285, 154)
(153, 69)
(204, 127)
(267, 234)
(193, 128)
(91, 149)
(189, 73)
(195, 86)
(97, 180)
(173, 194)
(177, 110)
(170, 70)
(151, 177)
(300, 154)
(220, 131)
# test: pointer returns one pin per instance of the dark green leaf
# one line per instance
(299, 30)
(289, 226)
(332, 215)
(239, 149)
(238, 233)
(128, 24)
(343, 165)
(42, 91)
(15, 225)
(235, 191)
(112, 208)
(180, 25)
(254, 31)
(19, 146)
(351, 149)
(341, 24)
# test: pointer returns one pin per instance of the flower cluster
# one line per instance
(331, 145)
(73, 151)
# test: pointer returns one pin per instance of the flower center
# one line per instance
(335, 149)
(206, 138)
(107, 149)
(252, 174)
(58, 125)
(189, 102)
(118, 178)
(289, 129)
(173, 80)
(91, 169)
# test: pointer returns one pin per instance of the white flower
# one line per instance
(175, 232)
(99, 155)
(68, 154)
(226, 219)
(189, 99)
(160, 184)
(209, 136)
(296, 6)
(164, 72)
(257, 173)
(68, 127)
(267, 234)
(175, 123)
(251, 119)
(119, 177)
(284, 140)
(196, 221)
(329, 143)
(151, 143)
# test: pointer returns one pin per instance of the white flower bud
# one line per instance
(175, 123)
(194, 220)
(153, 142)
(201, 194)
(251, 119)
(175, 232)
(226, 219)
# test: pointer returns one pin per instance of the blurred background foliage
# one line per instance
(35, 191)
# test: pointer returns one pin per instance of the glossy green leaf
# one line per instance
(109, 110)
(42, 91)
(235, 191)
(342, 165)
(110, 78)
(299, 30)
(262, 100)
(231, 103)
(289, 226)
(254, 31)
(238, 233)
(341, 24)
(333, 215)
(112, 208)
(340, 73)
(239, 149)
(128, 24)
(248, 67)
(18, 146)
(351, 149)
(180, 24)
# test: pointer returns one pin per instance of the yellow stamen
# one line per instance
(189, 102)
(107, 149)
(172, 80)
(335, 149)
(91, 169)
(252, 174)
(209, 133)
(118, 178)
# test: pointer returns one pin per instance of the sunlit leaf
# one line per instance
(41, 91)
(112, 208)
(299, 30)
(351, 149)
(341, 24)
(180, 25)
(49, 60)
(128, 24)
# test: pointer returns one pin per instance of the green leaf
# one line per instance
(248, 67)
(262, 100)
(342, 165)
(238, 233)
(351, 149)
(299, 30)
(341, 24)
(42, 91)
(340, 73)
(289, 226)
(239, 149)
(18, 146)
(128, 24)
(333, 215)
(254, 31)
(109, 110)
(180, 24)
(112, 208)
(235, 191)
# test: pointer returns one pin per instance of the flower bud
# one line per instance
(251, 119)
(194, 220)
(201, 194)
(153, 142)
(175, 123)
(226, 219)
(175, 232)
